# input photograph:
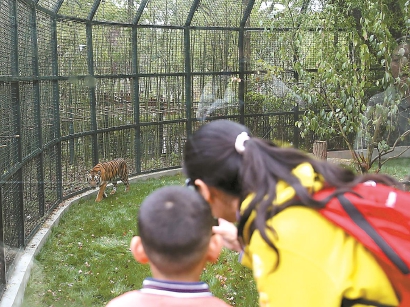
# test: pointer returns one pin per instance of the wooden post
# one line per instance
(320, 150)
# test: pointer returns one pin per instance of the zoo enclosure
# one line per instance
(89, 81)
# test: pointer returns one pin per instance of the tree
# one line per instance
(337, 74)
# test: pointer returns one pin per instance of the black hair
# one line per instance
(210, 155)
(175, 226)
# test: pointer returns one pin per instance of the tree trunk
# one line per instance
(320, 150)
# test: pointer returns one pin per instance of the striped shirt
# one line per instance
(175, 289)
(160, 293)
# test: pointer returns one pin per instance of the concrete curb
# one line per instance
(16, 285)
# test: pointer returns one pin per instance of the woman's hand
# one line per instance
(229, 234)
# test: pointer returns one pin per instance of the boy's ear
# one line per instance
(203, 189)
(214, 248)
(137, 250)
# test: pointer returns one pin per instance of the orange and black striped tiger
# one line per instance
(106, 172)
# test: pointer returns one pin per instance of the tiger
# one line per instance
(106, 172)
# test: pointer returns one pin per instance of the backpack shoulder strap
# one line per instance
(361, 221)
(350, 303)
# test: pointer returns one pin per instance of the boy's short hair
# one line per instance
(175, 226)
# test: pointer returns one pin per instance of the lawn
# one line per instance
(398, 168)
(86, 260)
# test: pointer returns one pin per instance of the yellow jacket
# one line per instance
(319, 264)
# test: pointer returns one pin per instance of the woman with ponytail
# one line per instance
(262, 195)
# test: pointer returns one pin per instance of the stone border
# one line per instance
(16, 285)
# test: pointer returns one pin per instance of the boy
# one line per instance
(175, 238)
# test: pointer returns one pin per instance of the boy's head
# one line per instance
(175, 230)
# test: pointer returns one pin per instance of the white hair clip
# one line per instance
(240, 142)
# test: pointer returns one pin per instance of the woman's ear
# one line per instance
(137, 250)
(203, 189)
(214, 248)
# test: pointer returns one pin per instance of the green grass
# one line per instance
(86, 260)
(397, 168)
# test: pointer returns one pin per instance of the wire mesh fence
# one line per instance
(89, 81)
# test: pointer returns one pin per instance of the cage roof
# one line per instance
(179, 13)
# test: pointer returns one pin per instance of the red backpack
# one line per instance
(378, 216)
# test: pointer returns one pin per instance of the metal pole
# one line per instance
(56, 115)
(37, 110)
(136, 101)
(15, 98)
(188, 68)
(91, 91)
